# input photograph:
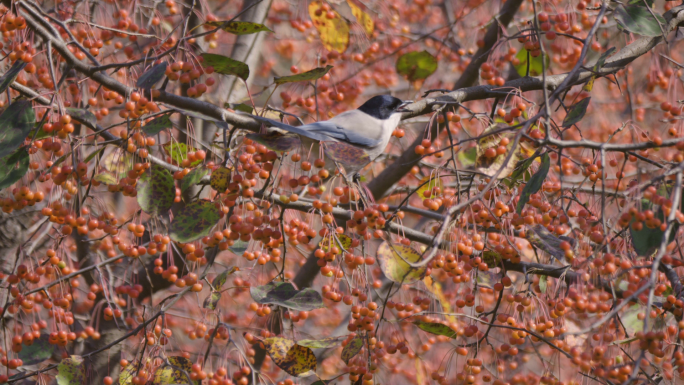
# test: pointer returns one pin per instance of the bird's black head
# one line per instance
(381, 106)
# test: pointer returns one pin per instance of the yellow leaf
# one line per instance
(334, 32)
(436, 289)
(393, 258)
(294, 359)
(490, 166)
(220, 179)
(362, 18)
(167, 375)
(340, 240)
(429, 187)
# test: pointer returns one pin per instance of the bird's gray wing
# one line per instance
(322, 131)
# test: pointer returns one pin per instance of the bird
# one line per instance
(353, 138)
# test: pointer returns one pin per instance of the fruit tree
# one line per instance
(523, 226)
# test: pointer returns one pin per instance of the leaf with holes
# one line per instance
(11, 74)
(157, 125)
(639, 20)
(276, 141)
(342, 241)
(576, 112)
(173, 375)
(212, 300)
(239, 27)
(220, 179)
(334, 33)
(82, 115)
(346, 154)
(193, 178)
(15, 124)
(221, 279)
(323, 343)
(127, 373)
(437, 328)
(535, 183)
(393, 259)
(307, 76)
(179, 151)
(226, 66)
(294, 359)
(429, 188)
(71, 371)
(536, 66)
(352, 348)
(13, 167)
(153, 75)
(156, 191)
(194, 221)
(284, 294)
(491, 165)
(362, 18)
(40, 350)
(416, 65)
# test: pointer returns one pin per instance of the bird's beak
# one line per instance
(402, 106)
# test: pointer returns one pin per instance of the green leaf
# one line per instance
(647, 240)
(13, 167)
(84, 116)
(226, 66)
(437, 328)
(15, 124)
(543, 284)
(157, 125)
(93, 154)
(392, 259)
(535, 183)
(156, 191)
(220, 279)
(239, 27)
(152, 76)
(352, 348)
(173, 375)
(11, 74)
(294, 359)
(179, 151)
(322, 343)
(639, 20)
(307, 76)
(194, 221)
(540, 237)
(239, 247)
(40, 350)
(71, 371)
(576, 112)
(284, 294)
(239, 107)
(467, 157)
(193, 178)
(536, 66)
(520, 170)
(212, 300)
(416, 65)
